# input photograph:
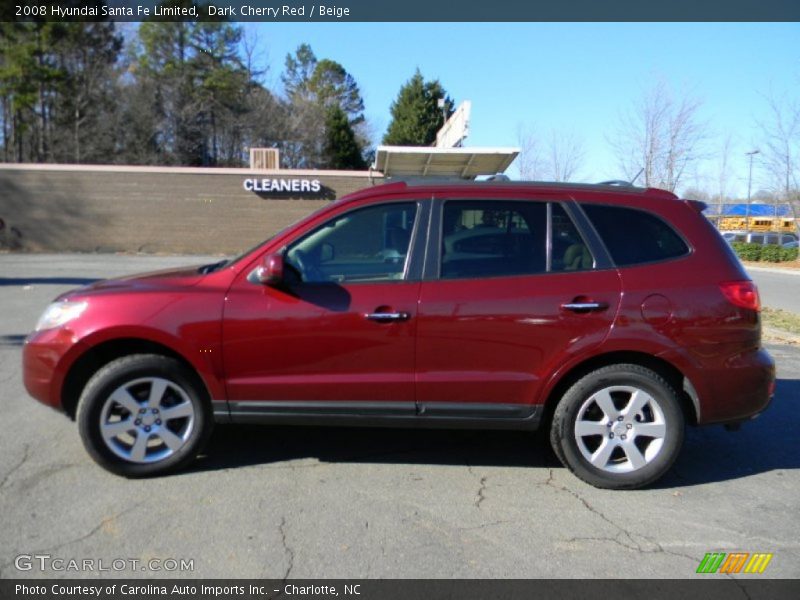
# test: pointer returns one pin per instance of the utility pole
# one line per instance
(749, 186)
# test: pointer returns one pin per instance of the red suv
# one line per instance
(611, 315)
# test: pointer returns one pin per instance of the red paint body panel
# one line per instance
(492, 340)
(168, 308)
(318, 345)
(498, 339)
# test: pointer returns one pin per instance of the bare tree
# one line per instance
(559, 157)
(530, 154)
(566, 156)
(780, 149)
(302, 145)
(660, 136)
(723, 169)
(720, 174)
(255, 59)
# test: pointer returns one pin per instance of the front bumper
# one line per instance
(46, 358)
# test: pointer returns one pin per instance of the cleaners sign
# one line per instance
(283, 186)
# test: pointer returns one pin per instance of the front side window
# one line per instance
(489, 238)
(368, 244)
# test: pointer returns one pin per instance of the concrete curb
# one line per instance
(771, 334)
(795, 272)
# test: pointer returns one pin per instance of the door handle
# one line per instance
(584, 306)
(385, 317)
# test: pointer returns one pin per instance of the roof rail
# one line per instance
(422, 180)
(400, 184)
(618, 182)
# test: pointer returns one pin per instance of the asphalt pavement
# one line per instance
(303, 502)
(779, 288)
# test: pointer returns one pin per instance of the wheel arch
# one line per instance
(672, 374)
(96, 357)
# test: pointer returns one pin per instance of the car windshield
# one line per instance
(232, 261)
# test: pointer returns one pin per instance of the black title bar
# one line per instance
(407, 10)
(711, 588)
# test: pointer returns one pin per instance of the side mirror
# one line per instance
(270, 272)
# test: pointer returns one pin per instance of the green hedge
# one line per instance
(769, 253)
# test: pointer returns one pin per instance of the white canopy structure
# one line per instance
(425, 161)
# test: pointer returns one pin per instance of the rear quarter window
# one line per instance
(634, 236)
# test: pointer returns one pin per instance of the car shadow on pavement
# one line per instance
(21, 281)
(710, 454)
(765, 444)
(235, 446)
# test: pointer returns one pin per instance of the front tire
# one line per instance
(144, 415)
(619, 427)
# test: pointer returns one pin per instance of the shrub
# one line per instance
(788, 254)
(769, 253)
(751, 252)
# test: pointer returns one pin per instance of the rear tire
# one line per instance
(144, 415)
(619, 427)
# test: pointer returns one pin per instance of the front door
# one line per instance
(340, 330)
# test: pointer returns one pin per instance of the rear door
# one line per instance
(512, 289)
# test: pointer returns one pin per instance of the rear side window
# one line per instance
(634, 236)
(493, 238)
(569, 250)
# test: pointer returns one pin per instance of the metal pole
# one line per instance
(749, 185)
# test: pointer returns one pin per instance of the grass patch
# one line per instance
(781, 319)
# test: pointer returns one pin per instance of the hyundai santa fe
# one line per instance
(612, 316)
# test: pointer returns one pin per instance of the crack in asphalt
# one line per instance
(286, 549)
(480, 495)
(25, 457)
(382, 546)
(371, 559)
(484, 525)
(622, 533)
(81, 538)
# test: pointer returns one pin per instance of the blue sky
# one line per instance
(571, 77)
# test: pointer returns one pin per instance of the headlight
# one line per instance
(59, 313)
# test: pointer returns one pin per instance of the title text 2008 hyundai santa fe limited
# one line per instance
(611, 315)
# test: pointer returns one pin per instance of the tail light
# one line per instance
(743, 294)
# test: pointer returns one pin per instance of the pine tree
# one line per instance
(312, 88)
(200, 86)
(416, 116)
(342, 150)
(55, 90)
